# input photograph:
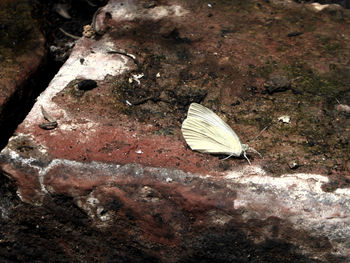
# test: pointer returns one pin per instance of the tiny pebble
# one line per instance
(293, 165)
(168, 180)
(284, 119)
(343, 107)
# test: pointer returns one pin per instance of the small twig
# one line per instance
(46, 115)
(69, 35)
(90, 4)
(51, 124)
(48, 125)
(141, 101)
(295, 34)
(127, 55)
(93, 22)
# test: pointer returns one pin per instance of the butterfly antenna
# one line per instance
(268, 126)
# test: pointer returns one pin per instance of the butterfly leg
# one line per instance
(245, 156)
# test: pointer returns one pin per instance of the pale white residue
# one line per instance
(91, 205)
(12, 154)
(304, 176)
(29, 162)
(284, 118)
(25, 162)
(128, 103)
(18, 192)
(109, 169)
(97, 65)
(15, 156)
(129, 11)
(97, 166)
(168, 180)
(343, 191)
(343, 107)
(157, 13)
(85, 130)
(319, 7)
(139, 151)
(87, 126)
(92, 201)
(107, 45)
(137, 77)
(247, 170)
(299, 198)
(290, 182)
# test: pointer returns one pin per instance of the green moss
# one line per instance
(303, 19)
(311, 82)
(332, 47)
(337, 16)
(316, 129)
(295, 17)
(18, 29)
(323, 39)
(265, 70)
(118, 91)
(19, 35)
(284, 47)
(329, 44)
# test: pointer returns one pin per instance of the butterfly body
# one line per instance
(206, 132)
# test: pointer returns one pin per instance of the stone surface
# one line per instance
(277, 83)
(114, 181)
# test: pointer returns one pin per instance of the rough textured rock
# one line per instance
(115, 182)
(21, 53)
(277, 83)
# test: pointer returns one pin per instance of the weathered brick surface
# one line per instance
(118, 183)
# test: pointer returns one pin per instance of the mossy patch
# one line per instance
(20, 36)
(317, 135)
(28, 149)
(18, 29)
(312, 83)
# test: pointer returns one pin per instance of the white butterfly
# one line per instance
(206, 132)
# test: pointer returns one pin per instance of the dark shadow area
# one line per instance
(18, 106)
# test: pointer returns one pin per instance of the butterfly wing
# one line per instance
(206, 132)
